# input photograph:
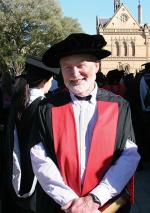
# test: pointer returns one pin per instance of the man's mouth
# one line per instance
(76, 81)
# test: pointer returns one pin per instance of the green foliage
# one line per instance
(28, 27)
(70, 26)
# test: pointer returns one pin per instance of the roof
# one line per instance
(103, 21)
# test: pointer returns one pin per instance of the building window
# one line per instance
(123, 17)
(125, 48)
(133, 48)
(117, 48)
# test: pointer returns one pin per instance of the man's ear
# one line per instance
(97, 64)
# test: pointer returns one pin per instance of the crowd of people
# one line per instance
(135, 89)
(74, 146)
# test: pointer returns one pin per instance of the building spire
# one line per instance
(116, 5)
(139, 13)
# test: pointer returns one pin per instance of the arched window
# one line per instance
(117, 48)
(132, 48)
(125, 48)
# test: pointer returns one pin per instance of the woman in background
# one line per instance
(19, 180)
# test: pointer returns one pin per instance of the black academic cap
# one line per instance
(36, 71)
(36, 66)
(114, 75)
(147, 66)
(76, 43)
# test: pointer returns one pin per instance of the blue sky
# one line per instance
(85, 11)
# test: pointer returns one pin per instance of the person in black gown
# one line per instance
(19, 182)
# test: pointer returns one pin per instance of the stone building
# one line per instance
(127, 38)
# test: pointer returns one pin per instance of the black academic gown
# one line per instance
(44, 125)
(1, 139)
(10, 201)
(141, 121)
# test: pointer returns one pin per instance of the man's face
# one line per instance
(79, 73)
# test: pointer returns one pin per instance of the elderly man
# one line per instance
(85, 155)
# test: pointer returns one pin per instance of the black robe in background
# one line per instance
(44, 126)
(141, 121)
(1, 140)
(10, 201)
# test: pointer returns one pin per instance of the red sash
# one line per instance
(101, 150)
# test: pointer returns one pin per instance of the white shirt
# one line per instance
(114, 180)
(16, 175)
(35, 93)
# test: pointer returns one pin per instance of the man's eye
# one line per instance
(66, 68)
(81, 66)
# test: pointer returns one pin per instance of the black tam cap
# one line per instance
(147, 66)
(114, 75)
(36, 71)
(76, 43)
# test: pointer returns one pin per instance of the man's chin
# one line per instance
(77, 89)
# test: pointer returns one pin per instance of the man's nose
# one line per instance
(75, 71)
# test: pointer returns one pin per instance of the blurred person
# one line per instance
(114, 82)
(1, 131)
(6, 93)
(6, 90)
(139, 99)
(100, 79)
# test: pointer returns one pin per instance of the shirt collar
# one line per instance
(35, 93)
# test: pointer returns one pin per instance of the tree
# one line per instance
(69, 25)
(28, 28)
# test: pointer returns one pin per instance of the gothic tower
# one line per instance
(127, 39)
(139, 13)
(116, 5)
